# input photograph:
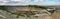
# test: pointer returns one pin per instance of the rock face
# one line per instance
(5, 14)
(12, 9)
(2, 17)
(27, 9)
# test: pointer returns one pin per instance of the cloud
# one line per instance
(33, 2)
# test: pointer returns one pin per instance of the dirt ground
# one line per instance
(56, 15)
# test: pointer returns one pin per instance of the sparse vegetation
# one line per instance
(27, 13)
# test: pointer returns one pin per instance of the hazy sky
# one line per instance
(31, 2)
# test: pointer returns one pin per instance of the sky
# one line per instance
(29, 2)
